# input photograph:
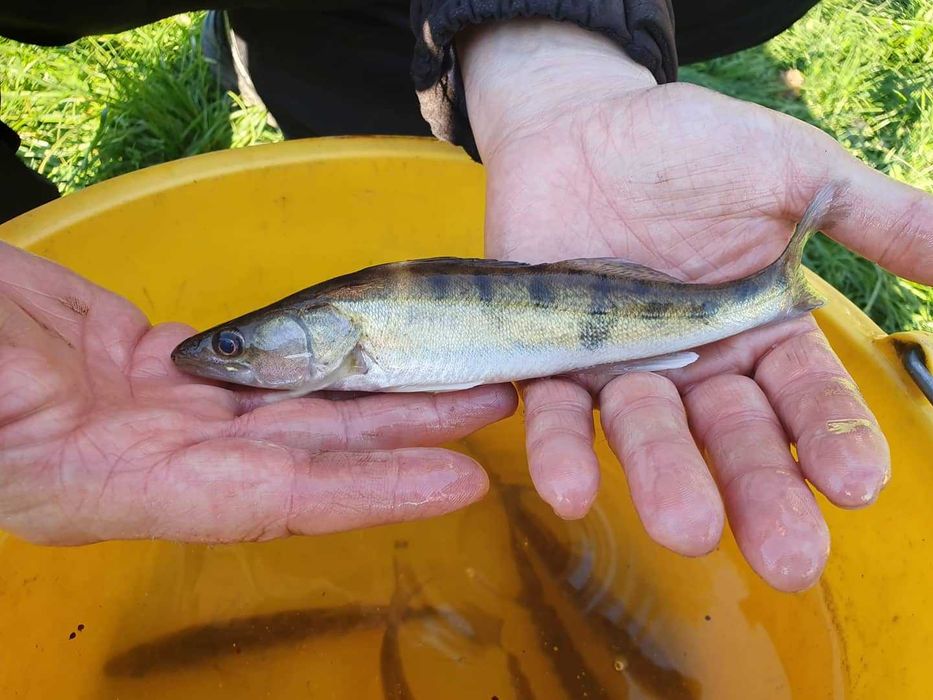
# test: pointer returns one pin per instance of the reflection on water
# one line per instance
(501, 600)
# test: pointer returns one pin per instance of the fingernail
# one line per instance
(691, 528)
(796, 551)
(570, 501)
(569, 510)
(860, 487)
(452, 479)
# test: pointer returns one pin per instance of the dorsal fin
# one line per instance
(603, 266)
(476, 262)
(617, 267)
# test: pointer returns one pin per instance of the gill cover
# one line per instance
(301, 350)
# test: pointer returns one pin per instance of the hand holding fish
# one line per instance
(587, 157)
(102, 438)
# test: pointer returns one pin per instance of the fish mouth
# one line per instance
(190, 357)
(188, 353)
(190, 365)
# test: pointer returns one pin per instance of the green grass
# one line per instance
(109, 105)
(105, 106)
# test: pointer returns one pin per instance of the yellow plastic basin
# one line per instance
(514, 603)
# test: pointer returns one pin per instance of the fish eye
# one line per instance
(228, 343)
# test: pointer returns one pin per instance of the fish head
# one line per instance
(271, 351)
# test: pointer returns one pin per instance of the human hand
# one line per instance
(101, 437)
(586, 157)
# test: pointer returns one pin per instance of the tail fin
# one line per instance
(805, 297)
(406, 588)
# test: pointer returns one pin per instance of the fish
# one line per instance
(646, 663)
(557, 595)
(395, 685)
(446, 324)
(572, 672)
(205, 644)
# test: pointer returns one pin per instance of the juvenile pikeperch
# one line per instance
(444, 324)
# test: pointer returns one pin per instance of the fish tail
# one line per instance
(406, 588)
(804, 296)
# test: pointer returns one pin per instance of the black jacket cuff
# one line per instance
(644, 29)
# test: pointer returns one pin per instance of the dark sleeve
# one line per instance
(642, 28)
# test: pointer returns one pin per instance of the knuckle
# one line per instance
(717, 397)
(639, 395)
(644, 383)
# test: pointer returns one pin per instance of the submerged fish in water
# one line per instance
(444, 324)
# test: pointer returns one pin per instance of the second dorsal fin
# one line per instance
(615, 266)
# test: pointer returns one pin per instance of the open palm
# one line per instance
(101, 437)
(707, 189)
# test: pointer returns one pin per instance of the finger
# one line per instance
(152, 359)
(671, 486)
(885, 220)
(882, 219)
(773, 514)
(738, 354)
(154, 377)
(241, 490)
(840, 446)
(379, 421)
(559, 443)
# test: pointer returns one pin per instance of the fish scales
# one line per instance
(444, 324)
(459, 326)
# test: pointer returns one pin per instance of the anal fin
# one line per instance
(674, 360)
(429, 388)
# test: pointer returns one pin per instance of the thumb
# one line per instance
(874, 215)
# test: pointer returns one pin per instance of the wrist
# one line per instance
(519, 73)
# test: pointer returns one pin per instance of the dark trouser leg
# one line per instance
(21, 189)
(327, 71)
(337, 72)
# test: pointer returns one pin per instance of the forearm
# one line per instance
(517, 72)
(640, 30)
